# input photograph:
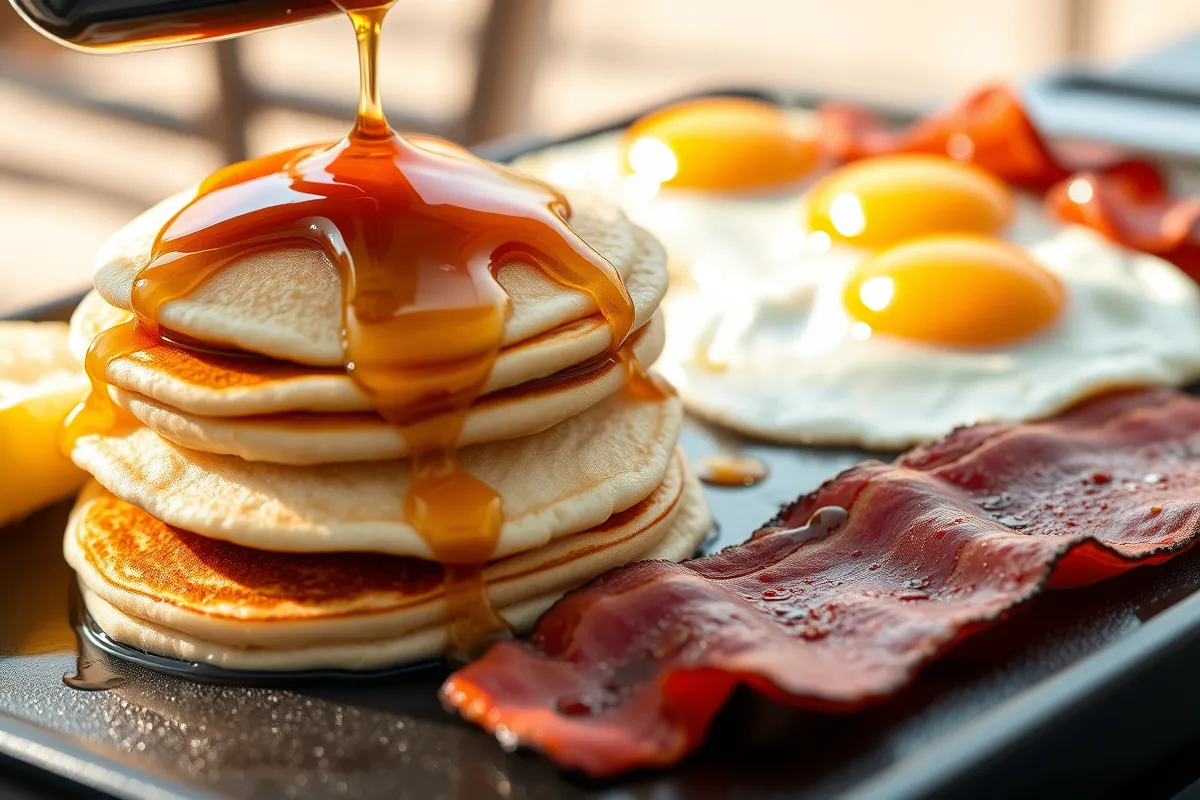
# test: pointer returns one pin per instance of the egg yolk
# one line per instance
(881, 201)
(954, 289)
(718, 144)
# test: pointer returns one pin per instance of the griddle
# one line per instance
(1087, 692)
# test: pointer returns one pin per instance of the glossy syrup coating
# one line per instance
(417, 228)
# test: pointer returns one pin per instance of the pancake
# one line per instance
(310, 438)
(555, 483)
(176, 594)
(287, 303)
(212, 385)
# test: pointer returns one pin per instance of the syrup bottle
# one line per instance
(122, 25)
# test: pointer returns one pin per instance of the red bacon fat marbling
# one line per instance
(1126, 200)
(630, 671)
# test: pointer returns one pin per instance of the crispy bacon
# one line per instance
(988, 128)
(1132, 206)
(630, 671)
(1125, 199)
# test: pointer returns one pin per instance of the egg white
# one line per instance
(758, 338)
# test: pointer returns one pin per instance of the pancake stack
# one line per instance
(248, 509)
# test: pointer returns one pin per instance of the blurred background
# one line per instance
(86, 141)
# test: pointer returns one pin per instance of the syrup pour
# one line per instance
(418, 229)
(730, 469)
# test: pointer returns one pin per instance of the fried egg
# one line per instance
(877, 304)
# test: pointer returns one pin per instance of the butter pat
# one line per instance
(40, 382)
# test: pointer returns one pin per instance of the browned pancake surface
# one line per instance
(138, 553)
(227, 371)
(142, 554)
(219, 371)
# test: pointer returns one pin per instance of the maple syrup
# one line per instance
(730, 469)
(418, 229)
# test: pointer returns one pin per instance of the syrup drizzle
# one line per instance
(417, 228)
(98, 412)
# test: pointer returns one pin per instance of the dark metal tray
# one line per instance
(1089, 692)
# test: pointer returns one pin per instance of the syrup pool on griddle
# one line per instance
(730, 469)
(417, 228)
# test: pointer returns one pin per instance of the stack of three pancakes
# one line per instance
(249, 510)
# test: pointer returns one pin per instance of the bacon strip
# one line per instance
(1126, 200)
(988, 128)
(1133, 207)
(630, 671)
